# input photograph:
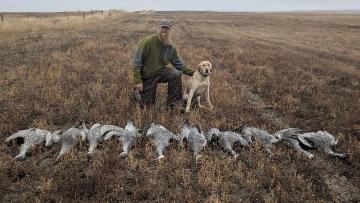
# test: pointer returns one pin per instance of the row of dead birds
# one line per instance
(192, 135)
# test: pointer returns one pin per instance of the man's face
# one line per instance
(164, 30)
(164, 33)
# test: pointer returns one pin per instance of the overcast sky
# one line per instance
(173, 5)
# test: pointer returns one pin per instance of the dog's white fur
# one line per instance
(198, 84)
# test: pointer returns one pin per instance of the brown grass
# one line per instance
(272, 71)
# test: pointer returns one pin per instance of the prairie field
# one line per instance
(272, 71)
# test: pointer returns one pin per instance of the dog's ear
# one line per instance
(208, 63)
(212, 67)
(199, 67)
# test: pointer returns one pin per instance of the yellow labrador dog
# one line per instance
(199, 83)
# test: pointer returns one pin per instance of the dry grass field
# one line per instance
(272, 71)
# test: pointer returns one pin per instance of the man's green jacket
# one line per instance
(152, 55)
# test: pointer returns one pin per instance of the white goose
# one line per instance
(195, 138)
(161, 137)
(32, 137)
(321, 140)
(100, 132)
(125, 136)
(68, 138)
(261, 136)
(226, 139)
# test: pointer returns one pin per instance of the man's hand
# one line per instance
(139, 86)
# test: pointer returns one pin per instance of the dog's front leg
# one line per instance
(189, 98)
(207, 94)
(185, 97)
(198, 101)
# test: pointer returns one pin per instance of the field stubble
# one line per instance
(271, 71)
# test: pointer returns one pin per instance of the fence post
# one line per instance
(67, 17)
(84, 15)
(101, 12)
(2, 19)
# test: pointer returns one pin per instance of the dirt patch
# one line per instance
(342, 187)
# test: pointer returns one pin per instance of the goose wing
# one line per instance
(196, 139)
(111, 130)
(94, 133)
(113, 133)
(305, 138)
(21, 133)
(287, 132)
(236, 137)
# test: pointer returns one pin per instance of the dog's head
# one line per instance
(205, 68)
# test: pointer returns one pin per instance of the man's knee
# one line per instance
(175, 74)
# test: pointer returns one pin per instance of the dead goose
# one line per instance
(100, 132)
(321, 140)
(69, 136)
(261, 136)
(32, 137)
(195, 138)
(161, 137)
(226, 139)
(125, 136)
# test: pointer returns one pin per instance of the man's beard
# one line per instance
(165, 37)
